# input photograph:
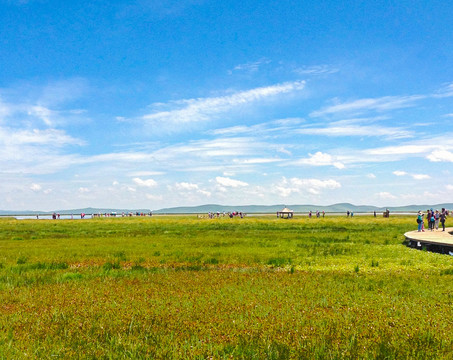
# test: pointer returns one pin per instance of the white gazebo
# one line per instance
(285, 212)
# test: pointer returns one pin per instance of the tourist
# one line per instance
(443, 217)
(420, 221)
(431, 220)
(436, 219)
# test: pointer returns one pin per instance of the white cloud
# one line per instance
(420, 176)
(250, 66)
(42, 113)
(414, 176)
(84, 190)
(186, 186)
(227, 182)
(378, 104)
(50, 137)
(358, 130)
(146, 173)
(35, 187)
(312, 186)
(203, 109)
(316, 70)
(145, 183)
(256, 161)
(321, 159)
(400, 150)
(154, 197)
(371, 176)
(440, 156)
(445, 91)
(384, 195)
(267, 128)
(283, 150)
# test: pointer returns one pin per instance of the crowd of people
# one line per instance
(218, 214)
(433, 218)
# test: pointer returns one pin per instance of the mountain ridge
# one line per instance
(339, 207)
(335, 208)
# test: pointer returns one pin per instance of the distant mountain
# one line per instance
(88, 210)
(335, 208)
(250, 209)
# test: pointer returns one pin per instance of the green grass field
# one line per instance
(253, 288)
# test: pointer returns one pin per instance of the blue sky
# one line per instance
(152, 104)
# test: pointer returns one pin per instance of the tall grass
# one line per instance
(254, 288)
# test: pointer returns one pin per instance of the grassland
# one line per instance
(253, 288)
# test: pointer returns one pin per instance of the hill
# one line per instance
(335, 208)
(249, 209)
(88, 210)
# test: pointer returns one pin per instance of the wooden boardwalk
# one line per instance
(437, 240)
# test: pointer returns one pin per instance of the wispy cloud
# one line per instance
(385, 195)
(252, 66)
(288, 187)
(47, 104)
(270, 127)
(50, 137)
(445, 91)
(357, 130)
(204, 109)
(370, 104)
(399, 150)
(186, 188)
(316, 70)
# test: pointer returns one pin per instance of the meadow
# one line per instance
(179, 287)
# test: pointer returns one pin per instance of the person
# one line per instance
(374, 213)
(431, 220)
(420, 221)
(443, 217)
(436, 219)
(323, 213)
(428, 218)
